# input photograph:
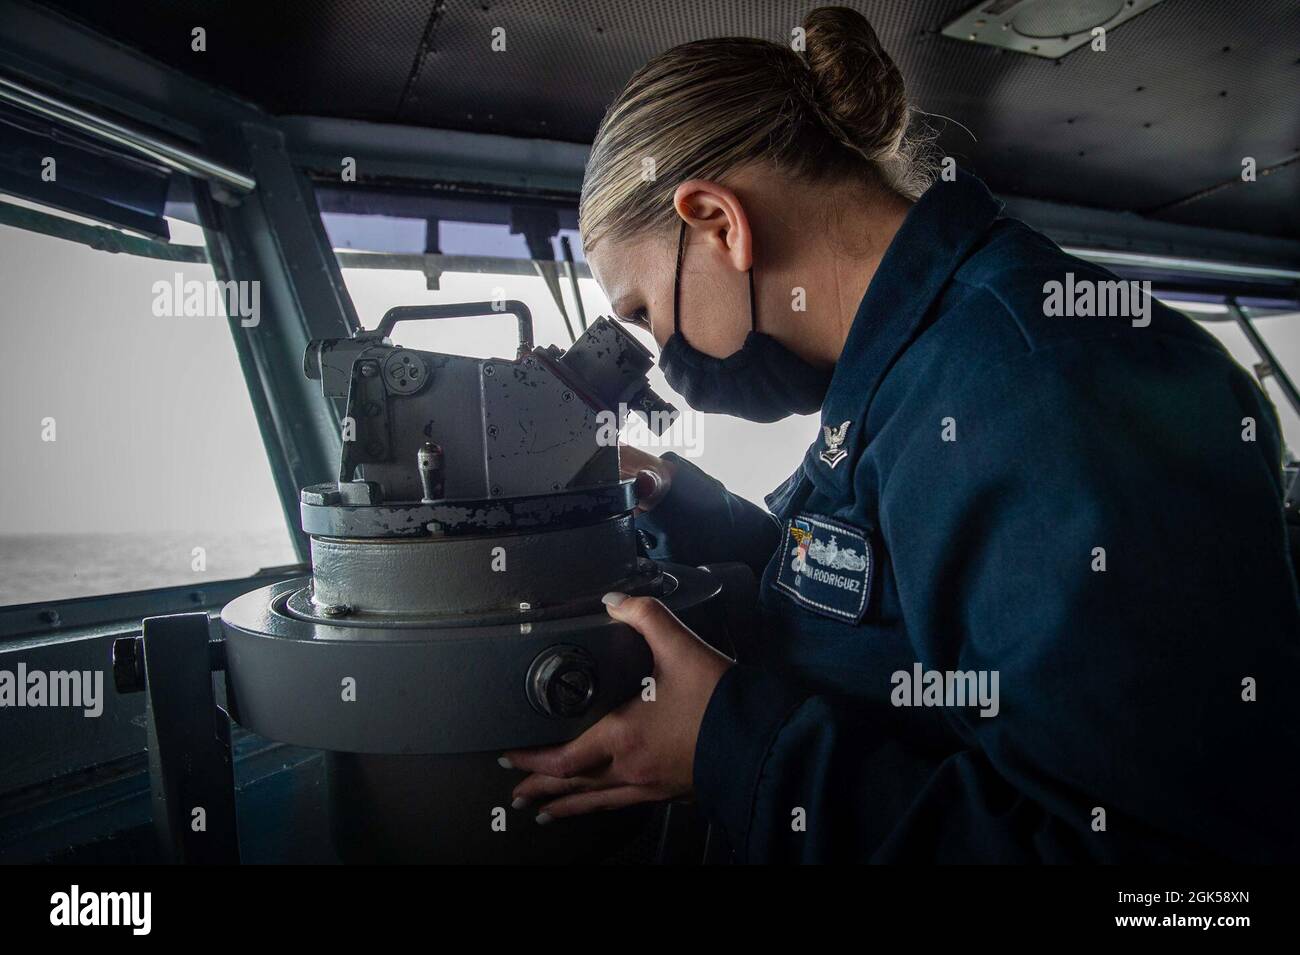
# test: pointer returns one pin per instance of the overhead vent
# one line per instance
(1046, 28)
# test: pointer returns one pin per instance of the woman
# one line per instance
(1028, 596)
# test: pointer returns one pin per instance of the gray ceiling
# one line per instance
(1158, 124)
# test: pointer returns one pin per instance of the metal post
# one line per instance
(1257, 342)
(191, 774)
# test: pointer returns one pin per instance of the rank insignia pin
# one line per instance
(834, 454)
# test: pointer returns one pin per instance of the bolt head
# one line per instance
(562, 681)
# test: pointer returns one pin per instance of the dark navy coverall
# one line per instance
(989, 452)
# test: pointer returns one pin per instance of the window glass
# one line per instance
(132, 458)
(1280, 331)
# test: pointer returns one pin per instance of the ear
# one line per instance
(718, 219)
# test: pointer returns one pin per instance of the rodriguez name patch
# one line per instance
(826, 566)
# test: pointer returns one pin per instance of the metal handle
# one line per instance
(408, 313)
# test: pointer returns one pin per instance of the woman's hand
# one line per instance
(645, 750)
(653, 475)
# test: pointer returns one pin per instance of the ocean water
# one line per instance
(37, 567)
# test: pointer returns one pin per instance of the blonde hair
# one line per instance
(704, 109)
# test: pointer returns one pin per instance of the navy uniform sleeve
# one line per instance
(700, 522)
(1126, 729)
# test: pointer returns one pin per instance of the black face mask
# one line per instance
(763, 381)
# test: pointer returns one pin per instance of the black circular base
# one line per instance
(443, 689)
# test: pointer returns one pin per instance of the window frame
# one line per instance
(76, 617)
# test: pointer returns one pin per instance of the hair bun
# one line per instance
(857, 89)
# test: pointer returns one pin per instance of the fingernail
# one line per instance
(519, 803)
(544, 818)
(613, 598)
(505, 763)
